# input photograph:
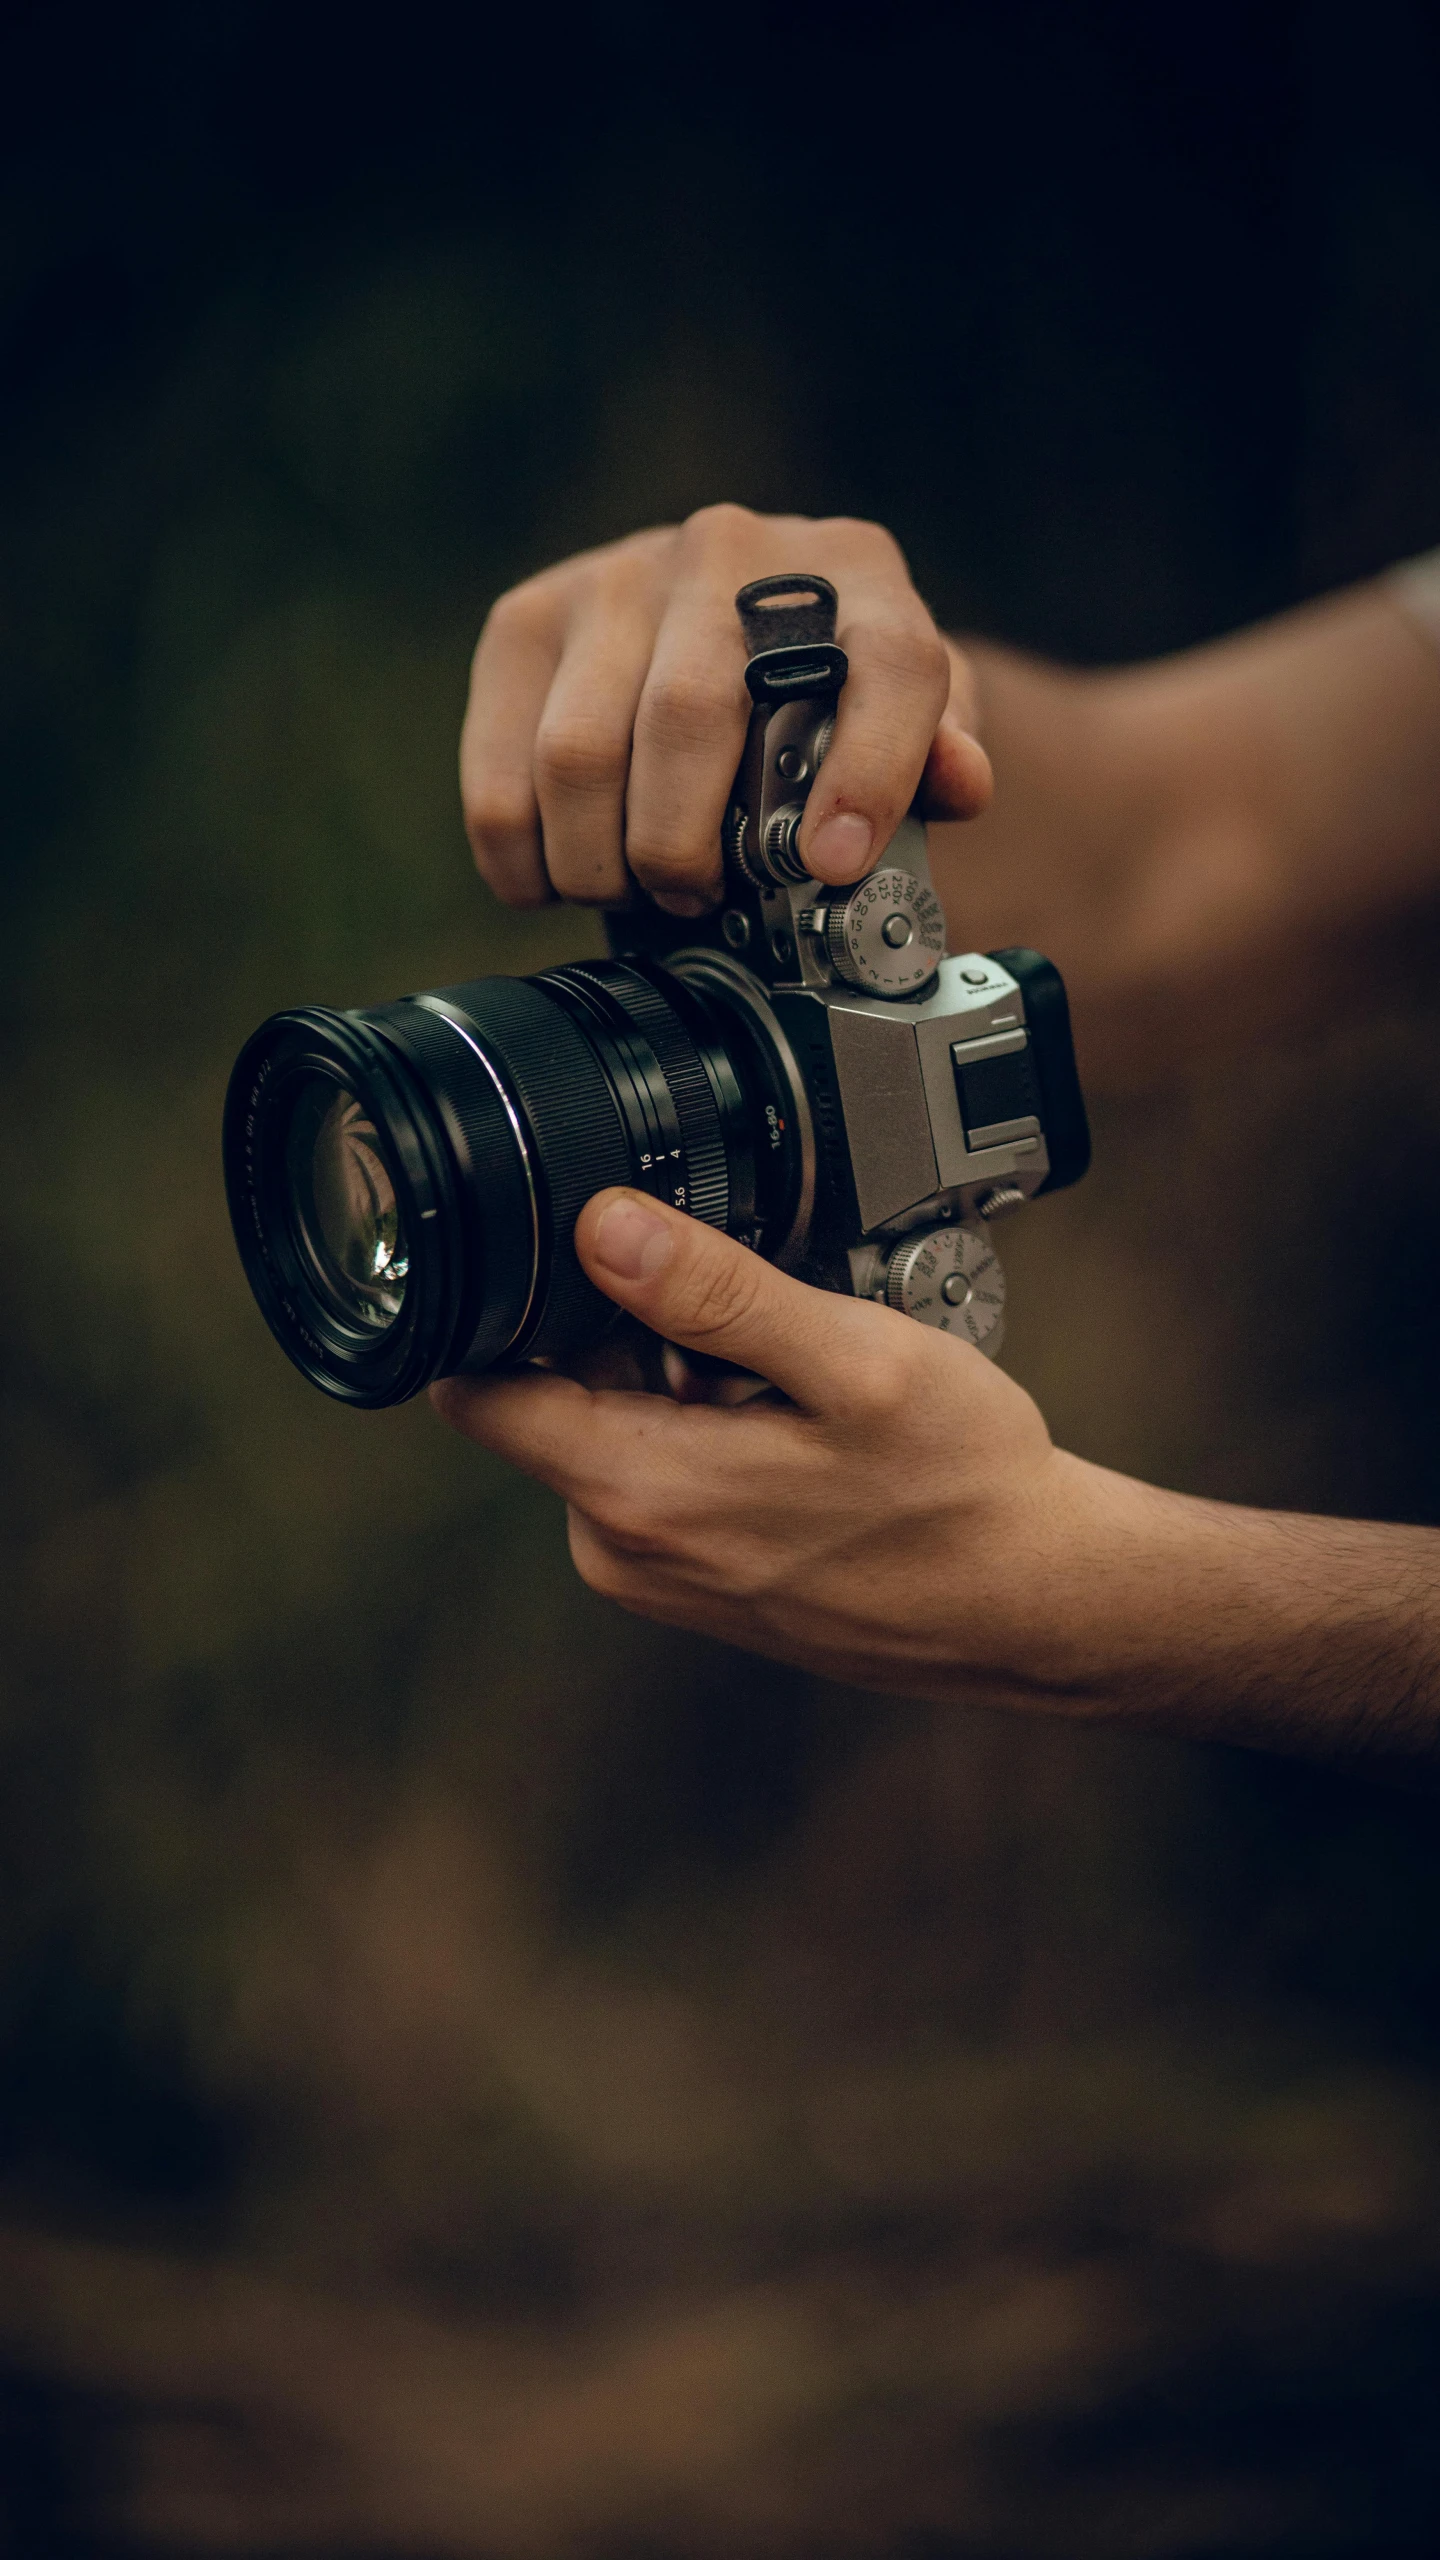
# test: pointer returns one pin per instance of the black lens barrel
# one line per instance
(550, 1120)
(501, 1106)
(673, 1082)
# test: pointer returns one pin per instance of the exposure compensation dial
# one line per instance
(951, 1277)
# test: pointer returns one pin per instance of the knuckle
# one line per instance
(685, 710)
(742, 1567)
(723, 523)
(633, 574)
(862, 535)
(665, 863)
(721, 1294)
(495, 816)
(580, 760)
(516, 615)
(630, 1529)
(622, 572)
(911, 651)
(600, 1566)
(602, 1572)
(505, 843)
(883, 1384)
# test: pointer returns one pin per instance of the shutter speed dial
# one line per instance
(888, 936)
(950, 1277)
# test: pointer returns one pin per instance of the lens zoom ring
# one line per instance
(706, 1162)
(495, 1183)
(579, 1146)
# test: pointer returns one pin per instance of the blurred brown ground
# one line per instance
(482, 2075)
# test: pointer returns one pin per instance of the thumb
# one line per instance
(708, 1293)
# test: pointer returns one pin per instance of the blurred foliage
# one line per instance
(480, 2073)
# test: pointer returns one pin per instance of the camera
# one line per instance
(807, 1069)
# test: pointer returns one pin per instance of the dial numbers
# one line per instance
(888, 937)
(950, 1277)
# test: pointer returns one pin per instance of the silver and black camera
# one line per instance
(808, 1069)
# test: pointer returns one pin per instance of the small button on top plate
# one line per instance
(976, 977)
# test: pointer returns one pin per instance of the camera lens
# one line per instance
(404, 1182)
(344, 1201)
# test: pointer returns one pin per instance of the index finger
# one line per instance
(692, 716)
(588, 1444)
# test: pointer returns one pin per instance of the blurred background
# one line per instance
(479, 2074)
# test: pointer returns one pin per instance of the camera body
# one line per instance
(808, 1070)
(935, 1092)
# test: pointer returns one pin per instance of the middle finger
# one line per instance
(693, 715)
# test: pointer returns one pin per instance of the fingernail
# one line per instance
(679, 902)
(841, 846)
(631, 1241)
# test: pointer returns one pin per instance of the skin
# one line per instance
(1215, 848)
(1229, 837)
(903, 1520)
(608, 712)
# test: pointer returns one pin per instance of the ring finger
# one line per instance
(582, 744)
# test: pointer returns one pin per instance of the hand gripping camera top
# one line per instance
(808, 1070)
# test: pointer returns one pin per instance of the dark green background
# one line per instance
(428, 1998)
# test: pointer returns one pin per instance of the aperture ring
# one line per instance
(629, 1005)
(639, 1086)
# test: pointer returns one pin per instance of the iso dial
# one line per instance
(888, 936)
(951, 1277)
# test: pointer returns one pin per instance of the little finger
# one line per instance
(510, 678)
(583, 742)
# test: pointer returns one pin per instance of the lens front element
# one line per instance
(346, 1215)
(404, 1183)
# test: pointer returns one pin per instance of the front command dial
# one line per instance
(950, 1277)
(888, 936)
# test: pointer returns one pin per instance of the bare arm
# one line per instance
(905, 1521)
(1209, 846)
(1204, 845)
(1213, 844)
(1272, 1629)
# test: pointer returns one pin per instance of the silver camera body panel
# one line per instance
(926, 1087)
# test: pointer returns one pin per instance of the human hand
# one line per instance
(903, 1521)
(608, 712)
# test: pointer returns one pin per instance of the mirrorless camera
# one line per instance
(808, 1069)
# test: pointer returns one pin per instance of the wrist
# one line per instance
(1214, 1622)
(1060, 860)
(1089, 1543)
(1130, 842)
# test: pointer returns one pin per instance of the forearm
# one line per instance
(1270, 1629)
(1206, 844)
(898, 1517)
